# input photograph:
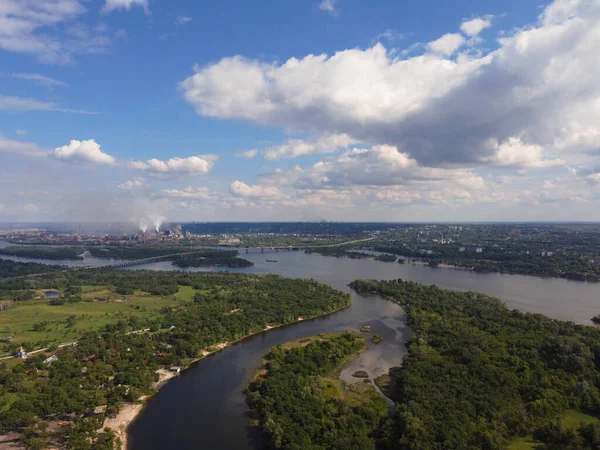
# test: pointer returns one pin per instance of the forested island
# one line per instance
(211, 258)
(139, 251)
(73, 253)
(180, 256)
(9, 269)
(479, 375)
(61, 396)
(300, 403)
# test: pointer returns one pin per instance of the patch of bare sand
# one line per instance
(10, 441)
(119, 424)
(164, 375)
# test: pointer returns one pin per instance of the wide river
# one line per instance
(204, 408)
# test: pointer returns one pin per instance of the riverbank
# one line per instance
(119, 424)
(125, 420)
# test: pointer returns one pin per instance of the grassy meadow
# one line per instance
(101, 305)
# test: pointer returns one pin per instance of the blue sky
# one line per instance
(299, 110)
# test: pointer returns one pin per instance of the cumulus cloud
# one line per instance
(112, 5)
(540, 85)
(30, 208)
(248, 154)
(241, 189)
(475, 26)
(32, 26)
(132, 185)
(381, 165)
(194, 165)
(191, 192)
(293, 148)
(328, 5)
(84, 151)
(515, 153)
(447, 44)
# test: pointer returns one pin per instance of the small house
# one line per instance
(22, 354)
(175, 369)
(50, 360)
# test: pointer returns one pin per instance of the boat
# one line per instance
(271, 260)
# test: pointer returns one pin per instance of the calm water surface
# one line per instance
(204, 408)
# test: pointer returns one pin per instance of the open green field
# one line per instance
(569, 419)
(100, 306)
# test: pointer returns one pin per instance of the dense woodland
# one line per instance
(478, 375)
(115, 366)
(44, 252)
(137, 251)
(300, 406)
(10, 269)
(211, 258)
(560, 265)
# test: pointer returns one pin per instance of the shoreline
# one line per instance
(133, 410)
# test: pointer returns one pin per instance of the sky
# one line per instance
(299, 110)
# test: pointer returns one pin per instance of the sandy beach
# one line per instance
(119, 424)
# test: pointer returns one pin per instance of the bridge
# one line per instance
(139, 262)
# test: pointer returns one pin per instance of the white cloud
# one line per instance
(515, 153)
(447, 44)
(84, 151)
(194, 165)
(22, 148)
(22, 104)
(112, 5)
(328, 5)
(391, 36)
(30, 208)
(241, 189)
(182, 20)
(294, 148)
(21, 132)
(540, 84)
(45, 28)
(248, 154)
(132, 185)
(475, 26)
(38, 78)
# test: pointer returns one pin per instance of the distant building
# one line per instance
(461, 249)
(22, 353)
(51, 359)
(478, 250)
(175, 369)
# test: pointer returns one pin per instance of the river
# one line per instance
(204, 408)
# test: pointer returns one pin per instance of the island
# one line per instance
(299, 402)
(40, 252)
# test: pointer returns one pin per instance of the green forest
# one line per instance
(479, 375)
(73, 253)
(301, 405)
(118, 363)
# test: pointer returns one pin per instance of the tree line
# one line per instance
(478, 374)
